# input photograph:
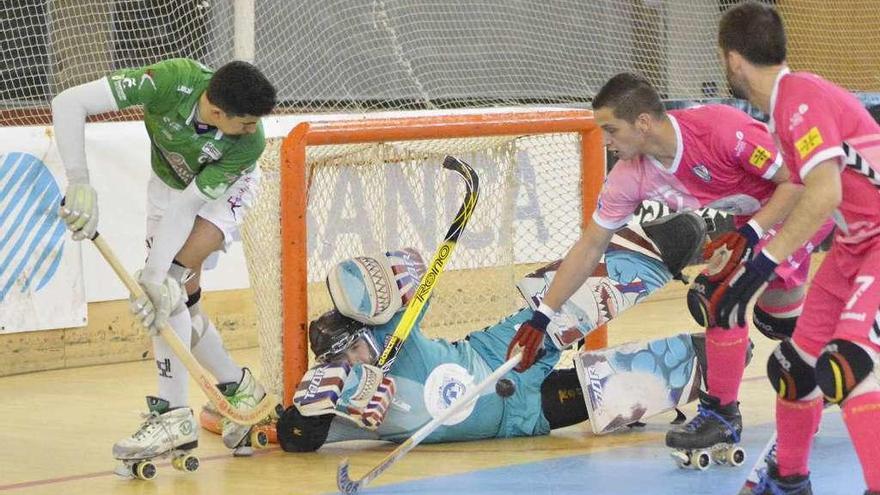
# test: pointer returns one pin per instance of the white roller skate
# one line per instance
(164, 433)
(713, 435)
(245, 394)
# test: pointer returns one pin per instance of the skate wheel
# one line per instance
(259, 439)
(144, 470)
(681, 459)
(243, 451)
(186, 462)
(700, 460)
(736, 456)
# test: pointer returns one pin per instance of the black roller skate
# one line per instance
(713, 435)
(771, 483)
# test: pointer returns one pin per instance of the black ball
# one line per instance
(505, 388)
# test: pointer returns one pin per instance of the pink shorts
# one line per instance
(843, 300)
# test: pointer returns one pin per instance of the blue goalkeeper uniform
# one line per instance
(430, 373)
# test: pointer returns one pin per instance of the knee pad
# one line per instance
(698, 296)
(791, 376)
(178, 271)
(562, 399)
(773, 327)
(679, 237)
(194, 298)
(841, 367)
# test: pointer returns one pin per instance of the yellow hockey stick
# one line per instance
(429, 279)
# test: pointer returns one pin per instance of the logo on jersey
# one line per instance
(797, 118)
(444, 386)
(210, 153)
(809, 142)
(147, 77)
(120, 82)
(759, 157)
(178, 164)
(702, 172)
(740, 143)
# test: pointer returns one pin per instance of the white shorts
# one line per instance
(226, 212)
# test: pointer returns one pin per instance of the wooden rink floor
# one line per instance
(58, 428)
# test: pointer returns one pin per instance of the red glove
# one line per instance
(725, 253)
(728, 303)
(530, 339)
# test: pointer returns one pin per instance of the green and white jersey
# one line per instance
(169, 92)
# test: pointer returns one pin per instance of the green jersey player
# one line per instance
(205, 135)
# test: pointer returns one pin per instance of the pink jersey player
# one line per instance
(832, 146)
(725, 160)
(815, 121)
(710, 156)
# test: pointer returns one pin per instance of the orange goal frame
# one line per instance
(294, 193)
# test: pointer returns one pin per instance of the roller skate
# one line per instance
(165, 433)
(246, 393)
(712, 436)
(771, 483)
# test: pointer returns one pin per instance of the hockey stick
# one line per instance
(348, 486)
(429, 279)
(754, 475)
(263, 410)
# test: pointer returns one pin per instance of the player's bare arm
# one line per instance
(578, 264)
(819, 199)
(781, 203)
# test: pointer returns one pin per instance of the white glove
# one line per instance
(160, 302)
(80, 210)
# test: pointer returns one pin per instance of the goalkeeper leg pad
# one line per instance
(679, 237)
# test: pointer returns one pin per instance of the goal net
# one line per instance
(334, 190)
(362, 55)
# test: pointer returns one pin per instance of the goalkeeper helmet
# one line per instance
(334, 337)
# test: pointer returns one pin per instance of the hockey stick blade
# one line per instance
(264, 409)
(348, 486)
(343, 481)
(438, 263)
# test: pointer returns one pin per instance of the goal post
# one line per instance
(284, 327)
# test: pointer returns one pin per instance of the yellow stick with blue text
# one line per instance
(435, 268)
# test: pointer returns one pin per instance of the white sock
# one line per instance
(209, 350)
(173, 375)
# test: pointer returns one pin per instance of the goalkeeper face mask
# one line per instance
(353, 348)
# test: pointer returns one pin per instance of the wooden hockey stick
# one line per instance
(263, 410)
(348, 486)
(429, 279)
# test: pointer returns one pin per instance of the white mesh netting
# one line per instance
(356, 55)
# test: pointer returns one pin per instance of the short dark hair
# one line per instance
(755, 31)
(629, 95)
(238, 88)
